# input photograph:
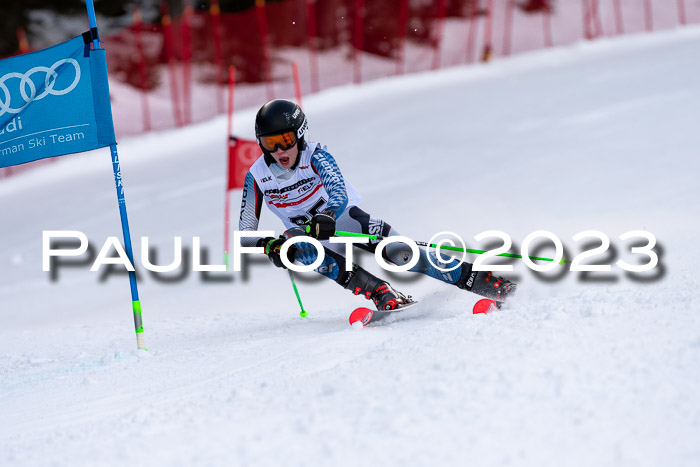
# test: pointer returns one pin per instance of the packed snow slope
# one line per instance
(594, 369)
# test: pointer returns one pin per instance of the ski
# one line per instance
(366, 315)
(486, 305)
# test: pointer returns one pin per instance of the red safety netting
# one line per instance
(175, 72)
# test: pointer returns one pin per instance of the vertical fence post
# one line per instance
(619, 25)
(186, 27)
(508, 27)
(440, 24)
(260, 8)
(401, 37)
(313, 49)
(138, 31)
(648, 15)
(592, 24)
(586, 20)
(488, 33)
(681, 12)
(595, 18)
(547, 26)
(358, 42)
(471, 35)
(170, 58)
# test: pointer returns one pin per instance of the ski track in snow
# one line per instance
(603, 371)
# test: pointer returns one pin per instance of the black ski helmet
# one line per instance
(279, 116)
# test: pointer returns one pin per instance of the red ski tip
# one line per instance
(485, 306)
(361, 315)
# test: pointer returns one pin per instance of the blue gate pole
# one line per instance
(136, 304)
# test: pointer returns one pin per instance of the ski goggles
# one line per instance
(282, 141)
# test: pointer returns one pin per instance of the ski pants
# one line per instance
(356, 220)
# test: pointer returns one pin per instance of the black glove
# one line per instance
(322, 225)
(272, 250)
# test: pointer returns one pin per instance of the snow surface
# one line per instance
(602, 369)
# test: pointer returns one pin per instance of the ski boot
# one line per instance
(484, 283)
(384, 296)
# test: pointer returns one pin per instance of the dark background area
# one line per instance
(49, 22)
(16, 14)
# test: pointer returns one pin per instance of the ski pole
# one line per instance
(446, 247)
(303, 312)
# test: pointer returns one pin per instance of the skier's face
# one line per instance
(286, 158)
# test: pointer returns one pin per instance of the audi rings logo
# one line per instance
(28, 88)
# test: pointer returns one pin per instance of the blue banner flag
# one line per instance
(54, 102)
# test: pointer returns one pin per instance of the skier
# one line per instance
(300, 182)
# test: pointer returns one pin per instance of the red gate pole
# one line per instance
(358, 43)
(138, 28)
(401, 36)
(313, 52)
(231, 89)
(260, 8)
(227, 198)
(215, 17)
(297, 85)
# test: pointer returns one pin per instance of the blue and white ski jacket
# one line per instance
(295, 195)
